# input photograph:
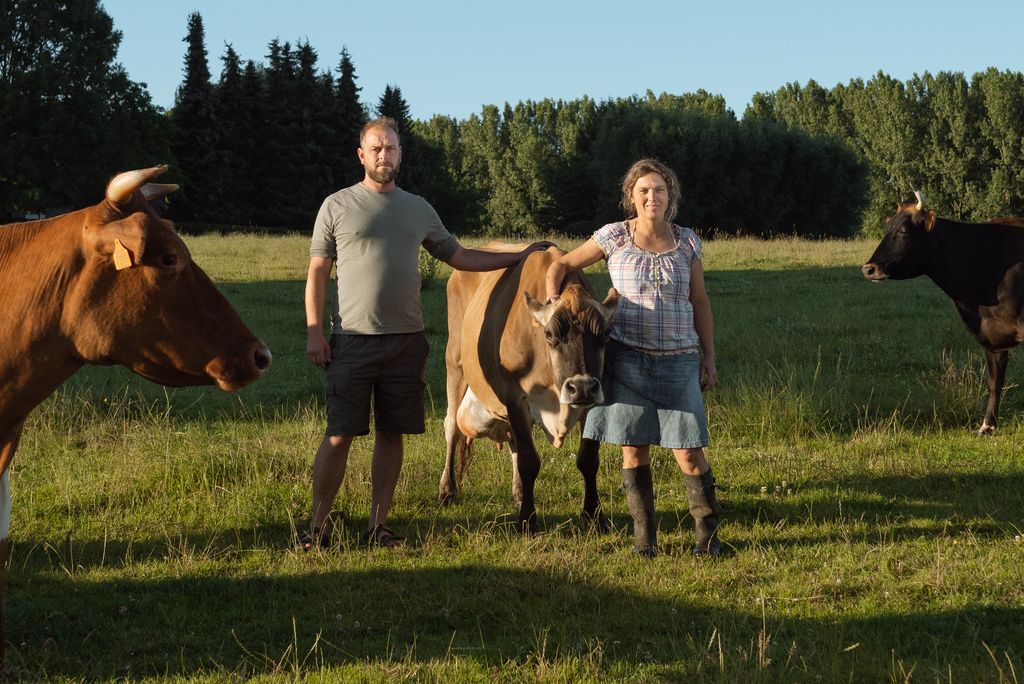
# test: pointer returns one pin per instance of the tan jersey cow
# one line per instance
(111, 284)
(513, 363)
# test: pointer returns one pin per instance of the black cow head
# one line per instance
(906, 247)
(576, 330)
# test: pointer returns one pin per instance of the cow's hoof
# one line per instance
(445, 499)
(986, 430)
(710, 551)
(528, 527)
(596, 522)
(645, 551)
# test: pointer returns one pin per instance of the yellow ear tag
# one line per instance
(122, 257)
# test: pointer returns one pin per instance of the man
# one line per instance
(377, 350)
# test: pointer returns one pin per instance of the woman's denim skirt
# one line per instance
(649, 399)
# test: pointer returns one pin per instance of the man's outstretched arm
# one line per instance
(465, 259)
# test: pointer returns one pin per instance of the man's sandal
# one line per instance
(308, 541)
(383, 537)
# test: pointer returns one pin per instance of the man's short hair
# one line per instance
(380, 122)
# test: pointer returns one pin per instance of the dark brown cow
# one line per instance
(980, 266)
(1009, 221)
(111, 284)
(513, 362)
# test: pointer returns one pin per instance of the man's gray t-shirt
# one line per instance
(374, 239)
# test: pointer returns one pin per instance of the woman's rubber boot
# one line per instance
(639, 488)
(700, 493)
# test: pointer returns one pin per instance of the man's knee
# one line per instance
(337, 443)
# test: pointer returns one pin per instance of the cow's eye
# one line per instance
(169, 260)
(550, 338)
(902, 231)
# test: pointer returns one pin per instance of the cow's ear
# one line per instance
(929, 220)
(541, 313)
(124, 241)
(610, 304)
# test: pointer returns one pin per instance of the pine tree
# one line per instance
(312, 107)
(281, 136)
(350, 119)
(392, 104)
(196, 139)
(234, 117)
(255, 162)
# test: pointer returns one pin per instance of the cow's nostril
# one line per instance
(868, 269)
(262, 358)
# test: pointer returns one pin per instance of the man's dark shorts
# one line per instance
(388, 368)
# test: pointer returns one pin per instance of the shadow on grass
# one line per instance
(893, 508)
(246, 625)
(304, 613)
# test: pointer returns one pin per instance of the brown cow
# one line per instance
(111, 284)
(513, 362)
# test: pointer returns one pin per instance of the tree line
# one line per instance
(960, 140)
(263, 143)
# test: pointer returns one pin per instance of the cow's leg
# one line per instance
(8, 445)
(455, 391)
(587, 461)
(527, 464)
(454, 442)
(995, 366)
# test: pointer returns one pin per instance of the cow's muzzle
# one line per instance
(873, 272)
(232, 373)
(581, 390)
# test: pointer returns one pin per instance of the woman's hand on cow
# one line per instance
(708, 374)
(318, 349)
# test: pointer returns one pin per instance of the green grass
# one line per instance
(871, 536)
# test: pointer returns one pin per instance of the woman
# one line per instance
(661, 354)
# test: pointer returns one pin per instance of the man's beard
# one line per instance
(382, 174)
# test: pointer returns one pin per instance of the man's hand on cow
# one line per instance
(537, 247)
(708, 374)
(318, 349)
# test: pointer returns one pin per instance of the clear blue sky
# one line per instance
(453, 57)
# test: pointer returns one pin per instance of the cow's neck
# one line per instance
(965, 266)
(39, 264)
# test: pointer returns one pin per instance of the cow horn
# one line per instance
(152, 191)
(920, 200)
(122, 186)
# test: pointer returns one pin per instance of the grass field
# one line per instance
(870, 535)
